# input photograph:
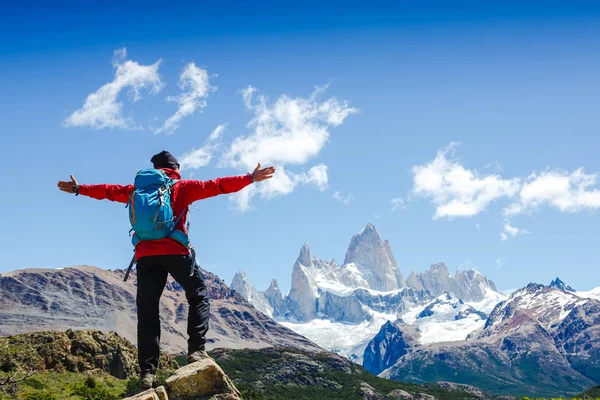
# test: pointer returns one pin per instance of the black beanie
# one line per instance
(164, 159)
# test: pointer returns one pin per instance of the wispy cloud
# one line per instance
(289, 132)
(202, 156)
(197, 83)
(511, 231)
(346, 199)
(500, 262)
(397, 203)
(102, 108)
(457, 191)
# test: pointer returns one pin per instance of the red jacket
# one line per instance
(184, 193)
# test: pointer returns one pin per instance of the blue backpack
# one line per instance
(150, 211)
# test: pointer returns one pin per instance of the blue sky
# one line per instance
(478, 116)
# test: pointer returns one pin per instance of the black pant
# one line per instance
(152, 275)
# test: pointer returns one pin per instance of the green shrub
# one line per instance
(40, 395)
(98, 392)
(90, 382)
(34, 383)
(132, 385)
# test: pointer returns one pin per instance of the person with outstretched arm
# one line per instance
(158, 204)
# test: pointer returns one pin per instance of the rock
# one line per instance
(202, 378)
(425, 396)
(149, 394)
(394, 340)
(373, 257)
(161, 392)
(369, 393)
(400, 394)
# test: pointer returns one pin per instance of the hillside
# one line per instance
(86, 297)
(63, 363)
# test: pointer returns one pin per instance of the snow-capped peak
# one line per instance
(558, 284)
(548, 305)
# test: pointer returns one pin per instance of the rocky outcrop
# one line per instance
(203, 378)
(558, 284)
(241, 285)
(76, 351)
(467, 285)
(275, 299)
(301, 300)
(393, 341)
(160, 393)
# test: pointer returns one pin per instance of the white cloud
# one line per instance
(397, 203)
(291, 131)
(457, 191)
(202, 156)
(247, 96)
(511, 231)
(284, 185)
(347, 199)
(500, 262)
(566, 192)
(217, 133)
(101, 108)
(196, 81)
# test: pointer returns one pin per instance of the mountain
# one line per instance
(592, 294)
(443, 319)
(539, 342)
(393, 341)
(373, 258)
(557, 283)
(341, 307)
(85, 297)
(466, 285)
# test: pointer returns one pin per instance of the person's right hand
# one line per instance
(66, 186)
(262, 174)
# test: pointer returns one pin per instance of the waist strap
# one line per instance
(176, 235)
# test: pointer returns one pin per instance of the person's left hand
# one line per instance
(262, 174)
(68, 186)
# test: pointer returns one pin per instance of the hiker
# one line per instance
(170, 252)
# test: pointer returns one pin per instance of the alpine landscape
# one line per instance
(300, 200)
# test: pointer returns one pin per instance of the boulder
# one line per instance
(149, 394)
(400, 394)
(161, 392)
(202, 378)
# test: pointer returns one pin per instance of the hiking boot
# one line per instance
(197, 356)
(147, 381)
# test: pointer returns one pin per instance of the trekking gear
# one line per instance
(164, 159)
(152, 275)
(147, 381)
(197, 355)
(150, 210)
